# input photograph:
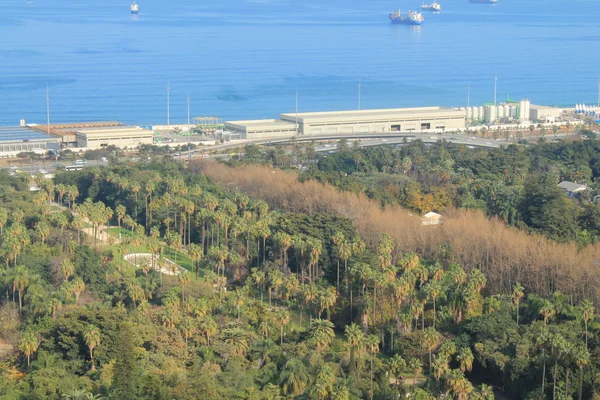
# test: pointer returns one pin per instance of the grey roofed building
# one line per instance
(572, 187)
(16, 139)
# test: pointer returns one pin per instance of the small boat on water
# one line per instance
(412, 18)
(435, 6)
(135, 8)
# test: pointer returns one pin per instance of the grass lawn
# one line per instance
(178, 257)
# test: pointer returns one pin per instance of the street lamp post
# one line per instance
(168, 106)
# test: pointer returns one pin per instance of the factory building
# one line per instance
(544, 114)
(66, 132)
(261, 128)
(421, 119)
(120, 136)
(14, 140)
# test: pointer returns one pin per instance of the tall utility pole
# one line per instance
(168, 106)
(48, 109)
(495, 87)
(359, 96)
(598, 110)
(297, 113)
(188, 125)
(188, 108)
(469, 94)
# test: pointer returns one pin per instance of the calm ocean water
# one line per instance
(246, 59)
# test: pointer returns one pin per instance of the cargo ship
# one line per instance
(484, 1)
(412, 18)
(435, 6)
(135, 8)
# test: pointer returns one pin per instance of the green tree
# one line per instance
(29, 345)
(321, 333)
(517, 296)
(91, 336)
(294, 377)
(126, 373)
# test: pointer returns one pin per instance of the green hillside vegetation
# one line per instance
(274, 303)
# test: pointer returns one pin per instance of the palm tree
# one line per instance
(3, 219)
(187, 330)
(291, 286)
(209, 328)
(465, 358)
(294, 377)
(396, 364)
(486, 392)
(237, 339)
(459, 384)
(184, 280)
(91, 335)
(20, 280)
(587, 311)
(239, 298)
(284, 242)
(77, 286)
(559, 347)
(321, 333)
(282, 318)
(415, 366)
(433, 289)
(258, 277)
(372, 342)
(120, 212)
(323, 386)
(275, 282)
(195, 253)
(356, 339)
(547, 311)
(29, 345)
(582, 358)
(431, 339)
(517, 296)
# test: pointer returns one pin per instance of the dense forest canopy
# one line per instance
(164, 281)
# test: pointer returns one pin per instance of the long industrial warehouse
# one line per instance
(421, 119)
(379, 121)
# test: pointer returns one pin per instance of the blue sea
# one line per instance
(242, 59)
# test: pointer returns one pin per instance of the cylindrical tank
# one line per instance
(475, 113)
(469, 112)
(522, 111)
(490, 114)
(501, 111)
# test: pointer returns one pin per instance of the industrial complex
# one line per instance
(95, 135)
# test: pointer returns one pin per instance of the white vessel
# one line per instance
(435, 6)
(135, 8)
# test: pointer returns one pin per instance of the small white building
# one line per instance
(572, 188)
(431, 218)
